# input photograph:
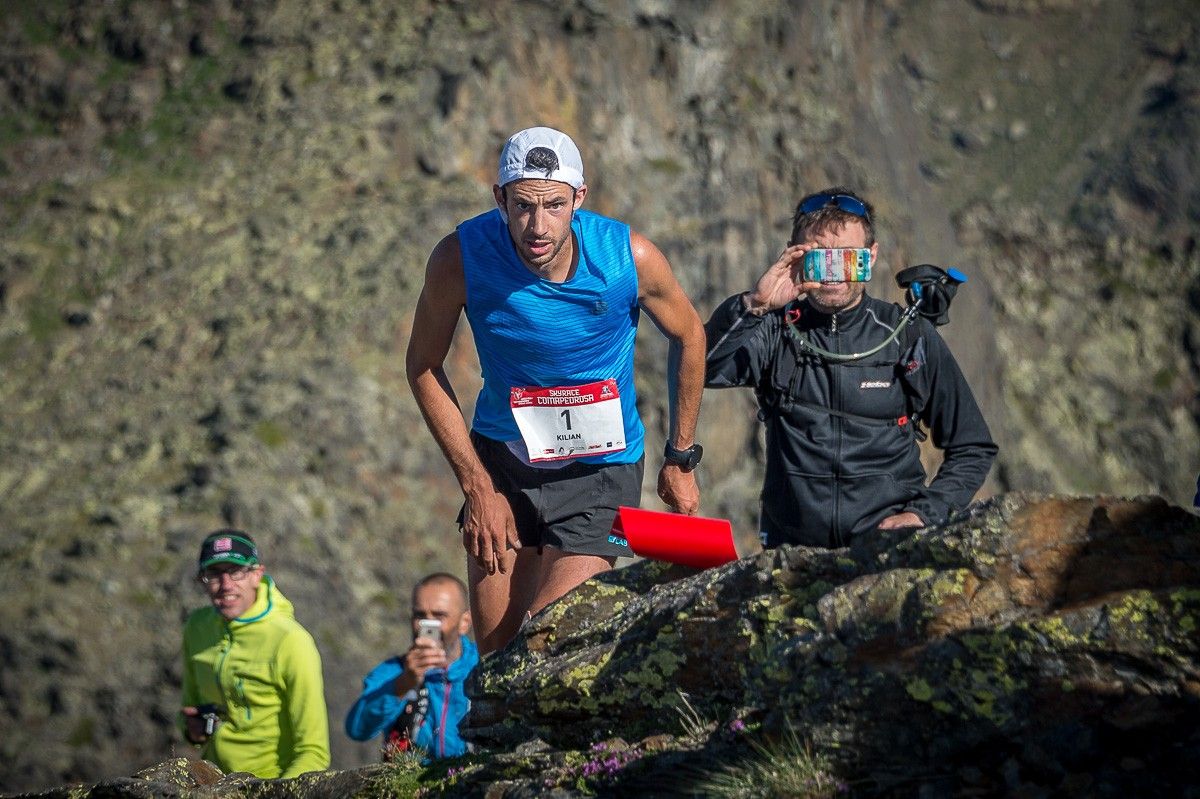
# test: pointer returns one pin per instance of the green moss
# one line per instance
(777, 614)
(668, 166)
(1164, 379)
(145, 599)
(1056, 630)
(386, 600)
(919, 690)
(815, 590)
(17, 127)
(1185, 599)
(115, 73)
(36, 28)
(763, 657)
(318, 507)
(84, 733)
(159, 148)
(948, 584)
(646, 681)
(270, 433)
(43, 319)
(1132, 616)
(584, 676)
(981, 689)
(655, 671)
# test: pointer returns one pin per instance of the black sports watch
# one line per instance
(685, 459)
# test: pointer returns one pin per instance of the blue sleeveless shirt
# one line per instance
(531, 332)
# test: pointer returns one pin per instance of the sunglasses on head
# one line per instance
(844, 202)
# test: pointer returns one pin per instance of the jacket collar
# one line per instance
(264, 603)
(849, 316)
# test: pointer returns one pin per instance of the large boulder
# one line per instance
(1046, 642)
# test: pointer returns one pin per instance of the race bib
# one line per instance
(569, 421)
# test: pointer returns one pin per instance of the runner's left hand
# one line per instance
(678, 489)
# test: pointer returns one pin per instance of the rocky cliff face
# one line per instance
(215, 218)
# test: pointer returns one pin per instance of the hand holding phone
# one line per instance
(201, 722)
(426, 653)
(842, 265)
(431, 629)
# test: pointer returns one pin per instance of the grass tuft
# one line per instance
(786, 767)
(401, 778)
(695, 726)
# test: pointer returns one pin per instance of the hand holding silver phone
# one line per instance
(431, 629)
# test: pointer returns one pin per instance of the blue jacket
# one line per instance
(378, 707)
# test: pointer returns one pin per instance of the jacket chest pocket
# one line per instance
(873, 391)
(253, 683)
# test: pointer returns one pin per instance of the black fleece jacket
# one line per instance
(842, 451)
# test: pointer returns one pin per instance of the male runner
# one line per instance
(553, 295)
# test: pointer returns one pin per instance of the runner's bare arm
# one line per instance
(488, 526)
(662, 297)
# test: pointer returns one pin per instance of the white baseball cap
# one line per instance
(521, 158)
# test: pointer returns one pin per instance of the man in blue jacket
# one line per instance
(416, 700)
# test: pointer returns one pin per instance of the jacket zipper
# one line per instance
(835, 526)
(241, 689)
(442, 723)
(228, 644)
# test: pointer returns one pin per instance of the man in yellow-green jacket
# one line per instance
(253, 696)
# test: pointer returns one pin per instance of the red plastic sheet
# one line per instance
(689, 540)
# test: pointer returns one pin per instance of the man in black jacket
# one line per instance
(842, 434)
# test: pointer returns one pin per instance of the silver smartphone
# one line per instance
(430, 628)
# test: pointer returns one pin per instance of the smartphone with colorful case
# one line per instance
(837, 265)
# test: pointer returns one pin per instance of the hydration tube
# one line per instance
(909, 314)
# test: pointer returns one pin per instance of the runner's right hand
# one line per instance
(489, 529)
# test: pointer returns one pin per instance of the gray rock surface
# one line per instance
(1036, 644)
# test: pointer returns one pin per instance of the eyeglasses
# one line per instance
(213, 576)
(851, 205)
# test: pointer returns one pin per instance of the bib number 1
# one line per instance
(563, 422)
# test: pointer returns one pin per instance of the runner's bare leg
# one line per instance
(562, 571)
(499, 601)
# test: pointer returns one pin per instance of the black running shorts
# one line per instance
(571, 508)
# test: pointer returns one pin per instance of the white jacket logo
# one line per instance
(875, 384)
